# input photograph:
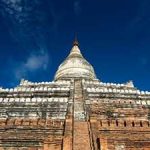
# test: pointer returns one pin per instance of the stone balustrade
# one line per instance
(34, 100)
(124, 124)
(5, 123)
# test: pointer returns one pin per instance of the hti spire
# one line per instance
(75, 43)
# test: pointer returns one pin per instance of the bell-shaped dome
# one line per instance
(75, 66)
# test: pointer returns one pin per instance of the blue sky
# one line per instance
(36, 36)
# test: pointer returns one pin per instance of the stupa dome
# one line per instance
(75, 66)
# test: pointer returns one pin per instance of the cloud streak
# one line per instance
(29, 21)
(12, 7)
(142, 19)
(77, 7)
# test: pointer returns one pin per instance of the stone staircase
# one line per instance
(81, 131)
(79, 112)
(81, 136)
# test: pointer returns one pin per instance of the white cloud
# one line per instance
(36, 61)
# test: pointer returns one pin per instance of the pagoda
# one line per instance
(75, 111)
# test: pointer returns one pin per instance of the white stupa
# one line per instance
(75, 66)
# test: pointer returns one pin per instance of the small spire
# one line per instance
(75, 43)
